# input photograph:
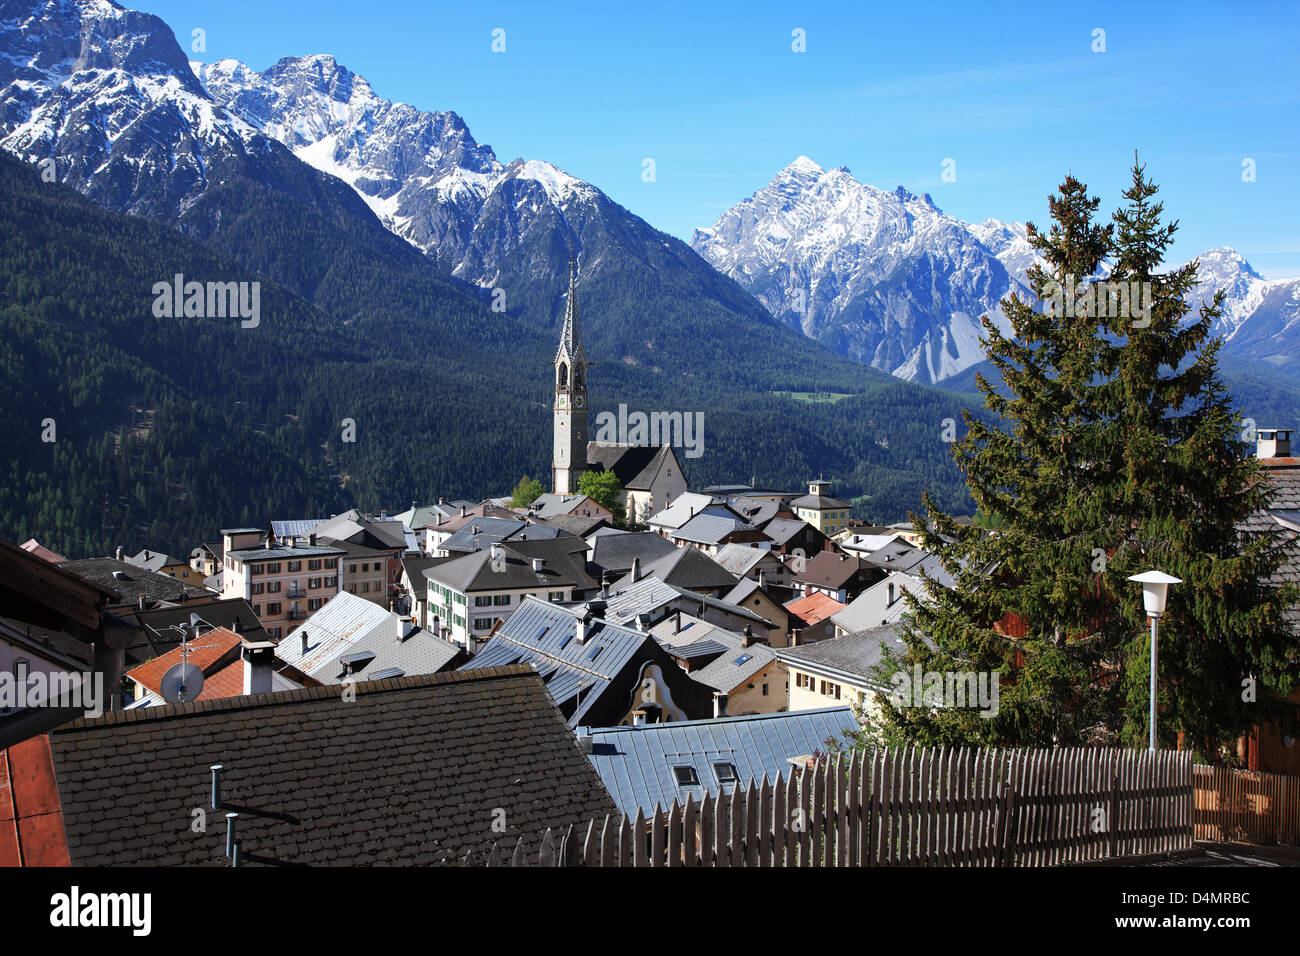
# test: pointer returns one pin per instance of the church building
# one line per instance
(649, 478)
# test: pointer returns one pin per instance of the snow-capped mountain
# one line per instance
(104, 98)
(885, 277)
(893, 281)
(422, 173)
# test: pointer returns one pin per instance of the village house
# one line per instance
(828, 515)
(285, 583)
(755, 596)
(742, 670)
(839, 671)
(231, 666)
(811, 618)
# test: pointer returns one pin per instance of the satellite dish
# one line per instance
(181, 683)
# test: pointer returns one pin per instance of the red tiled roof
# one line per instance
(816, 607)
(31, 816)
(210, 652)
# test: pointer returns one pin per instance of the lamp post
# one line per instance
(1155, 588)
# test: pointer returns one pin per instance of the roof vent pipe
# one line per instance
(216, 786)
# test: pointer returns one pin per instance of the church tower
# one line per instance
(569, 459)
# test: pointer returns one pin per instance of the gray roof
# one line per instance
(735, 663)
(477, 572)
(154, 560)
(480, 532)
(350, 625)
(649, 594)
(636, 763)
(820, 502)
(294, 528)
(739, 559)
(365, 529)
(542, 634)
(781, 530)
(871, 608)
(614, 552)
(852, 657)
(757, 511)
(686, 507)
(130, 582)
(282, 552)
(711, 528)
(688, 568)
(552, 505)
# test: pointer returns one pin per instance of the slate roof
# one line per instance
(133, 582)
(757, 511)
(781, 530)
(365, 529)
(635, 466)
(348, 625)
(614, 552)
(636, 763)
(480, 532)
(576, 524)
(543, 635)
(411, 772)
(688, 568)
(476, 571)
(818, 502)
(294, 527)
(552, 505)
(851, 657)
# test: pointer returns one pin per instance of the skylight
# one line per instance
(686, 776)
(744, 658)
(725, 772)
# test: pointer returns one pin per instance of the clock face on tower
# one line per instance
(579, 401)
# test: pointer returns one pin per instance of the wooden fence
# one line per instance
(907, 807)
(1240, 805)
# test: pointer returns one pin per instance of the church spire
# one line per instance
(571, 337)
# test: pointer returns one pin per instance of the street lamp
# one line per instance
(1155, 588)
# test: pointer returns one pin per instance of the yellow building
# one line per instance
(828, 515)
(838, 672)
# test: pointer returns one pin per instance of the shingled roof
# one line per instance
(414, 771)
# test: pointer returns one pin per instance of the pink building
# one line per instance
(285, 582)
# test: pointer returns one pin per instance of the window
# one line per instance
(272, 587)
(273, 567)
(594, 653)
(744, 659)
(764, 690)
(273, 607)
(686, 776)
(332, 581)
(352, 569)
(257, 609)
(256, 569)
(365, 587)
(313, 564)
(482, 600)
(501, 600)
(259, 587)
(273, 633)
(555, 596)
(295, 565)
(482, 623)
(314, 604)
(725, 772)
(330, 563)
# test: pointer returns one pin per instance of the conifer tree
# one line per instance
(1118, 452)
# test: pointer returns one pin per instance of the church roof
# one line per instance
(635, 466)
(571, 336)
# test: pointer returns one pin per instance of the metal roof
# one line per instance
(296, 528)
(543, 634)
(636, 763)
(708, 528)
(350, 627)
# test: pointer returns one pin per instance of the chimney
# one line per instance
(580, 632)
(762, 580)
(311, 539)
(538, 565)
(141, 602)
(462, 511)
(258, 658)
(585, 741)
(146, 554)
(405, 629)
(118, 553)
(496, 554)
(304, 642)
(441, 499)
(643, 622)
(1273, 443)
(747, 636)
(719, 704)
(890, 602)
(636, 569)
(638, 718)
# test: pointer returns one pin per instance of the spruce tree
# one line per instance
(1118, 451)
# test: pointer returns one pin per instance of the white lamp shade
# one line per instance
(1155, 588)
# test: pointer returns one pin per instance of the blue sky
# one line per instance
(713, 92)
